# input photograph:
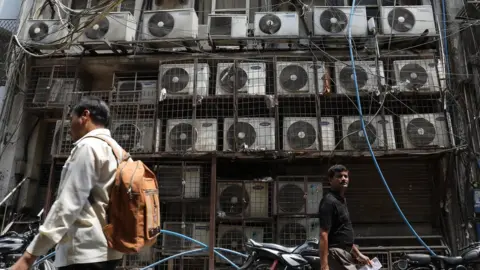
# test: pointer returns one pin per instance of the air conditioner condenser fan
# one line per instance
(98, 30)
(347, 79)
(127, 136)
(233, 79)
(420, 132)
(333, 20)
(301, 135)
(270, 24)
(161, 24)
(292, 234)
(233, 200)
(175, 80)
(401, 19)
(127, 91)
(293, 78)
(356, 136)
(242, 133)
(182, 137)
(38, 31)
(291, 199)
(414, 75)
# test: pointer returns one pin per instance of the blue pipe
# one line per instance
(205, 247)
(359, 106)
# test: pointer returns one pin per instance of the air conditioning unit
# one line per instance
(44, 34)
(367, 79)
(299, 77)
(136, 91)
(353, 134)
(177, 79)
(64, 147)
(187, 135)
(334, 21)
(277, 24)
(170, 24)
(178, 181)
(172, 4)
(137, 136)
(416, 75)
(245, 78)
(197, 230)
(300, 133)
(55, 92)
(115, 27)
(293, 232)
(297, 196)
(236, 200)
(408, 20)
(249, 133)
(227, 26)
(425, 130)
(235, 238)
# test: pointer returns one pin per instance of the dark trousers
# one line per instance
(108, 265)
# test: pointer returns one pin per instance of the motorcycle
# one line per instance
(272, 256)
(467, 260)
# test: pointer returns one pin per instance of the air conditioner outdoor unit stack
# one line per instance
(290, 196)
(185, 135)
(177, 79)
(299, 77)
(249, 133)
(355, 139)
(242, 199)
(425, 130)
(301, 133)
(246, 78)
(367, 79)
(334, 21)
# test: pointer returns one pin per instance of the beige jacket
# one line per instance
(77, 216)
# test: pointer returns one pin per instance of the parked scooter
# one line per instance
(268, 256)
(467, 260)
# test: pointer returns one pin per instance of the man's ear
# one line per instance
(86, 113)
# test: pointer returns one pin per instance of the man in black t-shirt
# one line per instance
(337, 249)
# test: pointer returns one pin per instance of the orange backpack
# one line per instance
(133, 213)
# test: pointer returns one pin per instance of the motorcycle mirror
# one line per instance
(40, 213)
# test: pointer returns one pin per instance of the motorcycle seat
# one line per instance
(450, 260)
(273, 246)
(419, 259)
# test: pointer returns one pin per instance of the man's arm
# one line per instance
(80, 177)
(325, 215)
(359, 256)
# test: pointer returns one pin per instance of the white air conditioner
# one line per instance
(408, 20)
(44, 34)
(293, 232)
(355, 139)
(55, 91)
(172, 4)
(416, 75)
(140, 91)
(277, 24)
(299, 77)
(245, 78)
(115, 27)
(137, 136)
(235, 238)
(367, 79)
(227, 26)
(185, 134)
(170, 24)
(297, 197)
(425, 130)
(177, 79)
(178, 181)
(334, 21)
(64, 147)
(199, 231)
(236, 200)
(249, 133)
(300, 133)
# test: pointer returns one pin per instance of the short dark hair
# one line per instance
(336, 169)
(99, 110)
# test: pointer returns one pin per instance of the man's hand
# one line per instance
(363, 260)
(325, 267)
(25, 262)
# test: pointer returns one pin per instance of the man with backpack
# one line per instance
(90, 221)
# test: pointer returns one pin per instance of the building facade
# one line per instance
(241, 106)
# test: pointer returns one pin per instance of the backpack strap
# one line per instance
(120, 154)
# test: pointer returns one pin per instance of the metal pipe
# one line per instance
(213, 203)
(13, 191)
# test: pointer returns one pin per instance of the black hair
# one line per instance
(336, 169)
(99, 110)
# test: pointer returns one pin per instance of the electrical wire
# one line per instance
(374, 159)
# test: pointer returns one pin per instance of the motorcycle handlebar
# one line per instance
(469, 246)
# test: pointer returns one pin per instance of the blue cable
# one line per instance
(359, 106)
